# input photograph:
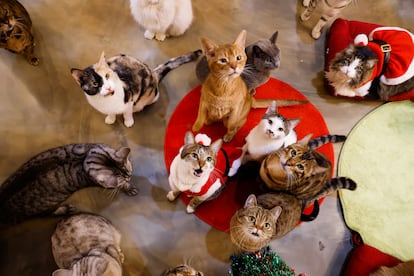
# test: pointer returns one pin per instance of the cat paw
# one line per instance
(190, 209)
(65, 209)
(149, 34)
(228, 137)
(160, 37)
(316, 33)
(110, 119)
(131, 190)
(171, 196)
(304, 16)
(305, 3)
(129, 122)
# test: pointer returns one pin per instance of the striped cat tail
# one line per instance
(325, 139)
(163, 69)
(264, 103)
(333, 185)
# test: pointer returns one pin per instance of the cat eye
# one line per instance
(270, 122)
(95, 84)
(194, 155)
(280, 129)
(239, 57)
(252, 219)
(209, 159)
(293, 153)
(223, 60)
(107, 76)
(267, 225)
(300, 167)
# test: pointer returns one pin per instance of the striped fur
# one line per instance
(41, 184)
(123, 84)
(330, 9)
(325, 139)
(182, 270)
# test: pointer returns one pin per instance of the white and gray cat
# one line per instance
(123, 84)
(87, 244)
(271, 133)
(162, 18)
(193, 171)
(43, 183)
(330, 9)
(263, 57)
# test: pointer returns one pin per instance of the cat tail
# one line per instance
(313, 215)
(163, 69)
(331, 186)
(265, 103)
(325, 139)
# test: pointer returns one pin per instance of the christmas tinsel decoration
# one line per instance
(260, 263)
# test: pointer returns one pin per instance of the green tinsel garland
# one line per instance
(260, 263)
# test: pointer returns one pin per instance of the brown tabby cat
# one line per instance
(87, 244)
(183, 270)
(330, 9)
(40, 185)
(16, 30)
(224, 95)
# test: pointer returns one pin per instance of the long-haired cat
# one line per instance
(380, 65)
(330, 9)
(263, 57)
(87, 244)
(16, 30)
(224, 94)
(123, 84)
(299, 169)
(162, 18)
(271, 133)
(44, 182)
(272, 215)
(193, 171)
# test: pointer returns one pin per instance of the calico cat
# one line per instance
(123, 85)
(271, 133)
(298, 168)
(16, 30)
(183, 270)
(272, 215)
(162, 18)
(224, 95)
(193, 171)
(86, 244)
(263, 57)
(330, 9)
(379, 65)
(45, 181)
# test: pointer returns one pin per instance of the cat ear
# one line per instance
(292, 123)
(274, 37)
(276, 211)
(251, 201)
(76, 74)
(241, 39)
(371, 63)
(208, 46)
(272, 109)
(123, 152)
(102, 59)
(189, 138)
(305, 140)
(215, 147)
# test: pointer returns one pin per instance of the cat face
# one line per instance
(252, 227)
(98, 79)
(266, 54)
(226, 61)
(111, 169)
(353, 65)
(274, 125)
(292, 165)
(183, 270)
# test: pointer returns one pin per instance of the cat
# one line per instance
(263, 57)
(298, 168)
(271, 133)
(43, 183)
(272, 215)
(16, 34)
(123, 85)
(193, 171)
(183, 270)
(87, 244)
(224, 95)
(380, 65)
(330, 9)
(162, 18)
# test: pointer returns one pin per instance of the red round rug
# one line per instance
(219, 211)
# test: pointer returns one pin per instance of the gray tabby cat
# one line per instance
(41, 184)
(278, 211)
(263, 56)
(87, 244)
(330, 9)
(123, 84)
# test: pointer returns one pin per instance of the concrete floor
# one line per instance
(42, 107)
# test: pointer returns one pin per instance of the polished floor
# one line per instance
(42, 107)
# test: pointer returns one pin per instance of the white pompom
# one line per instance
(361, 40)
(203, 139)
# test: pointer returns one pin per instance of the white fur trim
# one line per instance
(361, 40)
(203, 138)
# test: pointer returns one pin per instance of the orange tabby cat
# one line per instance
(224, 95)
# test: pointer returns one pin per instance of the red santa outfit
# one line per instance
(400, 44)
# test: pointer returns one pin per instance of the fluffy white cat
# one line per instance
(162, 18)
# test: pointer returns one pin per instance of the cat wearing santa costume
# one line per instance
(381, 63)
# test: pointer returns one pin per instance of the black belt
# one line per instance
(386, 50)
